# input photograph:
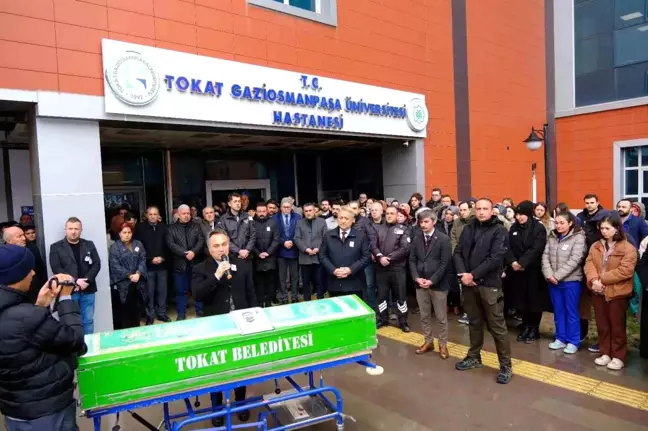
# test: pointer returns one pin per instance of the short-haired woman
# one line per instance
(127, 262)
(609, 270)
(562, 267)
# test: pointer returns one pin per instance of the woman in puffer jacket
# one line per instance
(562, 267)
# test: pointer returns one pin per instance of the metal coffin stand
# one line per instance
(272, 406)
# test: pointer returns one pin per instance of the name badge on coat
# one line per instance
(514, 233)
(88, 259)
(136, 249)
(233, 267)
(268, 228)
(565, 247)
(398, 231)
(351, 244)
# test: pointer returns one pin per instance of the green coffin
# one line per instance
(152, 361)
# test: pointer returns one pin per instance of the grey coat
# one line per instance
(563, 259)
(309, 234)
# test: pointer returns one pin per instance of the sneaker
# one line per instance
(180, 318)
(594, 348)
(463, 319)
(557, 345)
(615, 364)
(570, 349)
(405, 328)
(505, 375)
(468, 364)
(416, 311)
(603, 360)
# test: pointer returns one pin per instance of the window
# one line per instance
(635, 174)
(610, 50)
(324, 11)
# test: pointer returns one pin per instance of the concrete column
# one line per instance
(67, 181)
(403, 170)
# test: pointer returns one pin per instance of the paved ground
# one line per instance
(551, 391)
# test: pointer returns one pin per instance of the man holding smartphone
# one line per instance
(38, 354)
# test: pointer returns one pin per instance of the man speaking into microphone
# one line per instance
(223, 283)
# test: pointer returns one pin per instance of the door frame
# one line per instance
(237, 185)
(127, 189)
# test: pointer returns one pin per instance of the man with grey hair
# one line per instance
(287, 221)
(429, 261)
(14, 235)
(186, 243)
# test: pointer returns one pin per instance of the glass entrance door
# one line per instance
(255, 190)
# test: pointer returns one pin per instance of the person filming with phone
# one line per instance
(38, 353)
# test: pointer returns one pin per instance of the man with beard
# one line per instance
(636, 228)
(265, 252)
(331, 222)
(273, 207)
(325, 209)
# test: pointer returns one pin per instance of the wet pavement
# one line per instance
(426, 393)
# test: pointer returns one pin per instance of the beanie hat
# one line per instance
(525, 208)
(15, 264)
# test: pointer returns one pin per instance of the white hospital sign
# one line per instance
(152, 82)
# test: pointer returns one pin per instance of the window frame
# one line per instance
(619, 153)
(326, 10)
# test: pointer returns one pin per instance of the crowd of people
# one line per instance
(481, 260)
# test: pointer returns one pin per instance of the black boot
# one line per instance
(533, 336)
(524, 332)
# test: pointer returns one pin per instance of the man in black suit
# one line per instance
(265, 251)
(429, 262)
(223, 284)
(345, 253)
(78, 257)
(152, 234)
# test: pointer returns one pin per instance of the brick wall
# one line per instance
(585, 149)
(506, 78)
(406, 44)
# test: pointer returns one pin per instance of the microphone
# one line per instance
(227, 273)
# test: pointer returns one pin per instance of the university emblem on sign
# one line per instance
(132, 79)
(417, 115)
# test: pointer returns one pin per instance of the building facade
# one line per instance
(601, 77)
(160, 102)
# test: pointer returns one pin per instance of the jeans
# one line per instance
(370, 293)
(86, 303)
(157, 292)
(565, 298)
(286, 266)
(311, 273)
(183, 284)
(64, 420)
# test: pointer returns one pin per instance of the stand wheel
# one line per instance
(197, 403)
(277, 391)
(340, 427)
(116, 428)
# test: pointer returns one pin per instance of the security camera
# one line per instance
(406, 144)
